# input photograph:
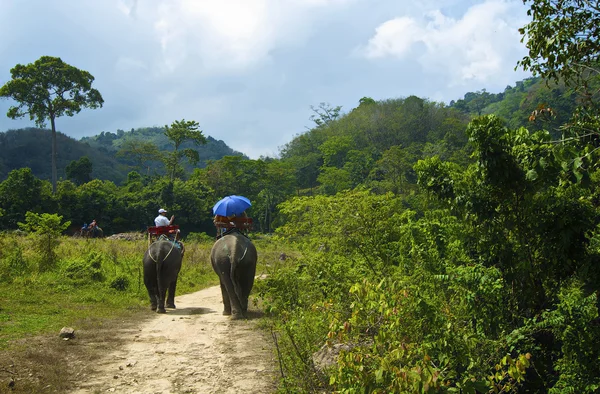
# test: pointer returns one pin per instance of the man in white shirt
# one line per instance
(162, 220)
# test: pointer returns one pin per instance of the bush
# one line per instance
(199, 237)
(13, 265)
(88, 270)
(120, 283)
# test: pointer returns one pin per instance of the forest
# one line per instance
(451, 248)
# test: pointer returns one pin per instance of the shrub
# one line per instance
(88, 270)
(199, 237)
(13, 264)
(120, 283)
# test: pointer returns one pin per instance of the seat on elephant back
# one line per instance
(154, 232)
(225, 225)
(242, 223)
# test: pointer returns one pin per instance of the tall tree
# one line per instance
(179, 132)
(47, 89)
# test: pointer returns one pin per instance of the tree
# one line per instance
(46, 229)
(179, 132)
(139, 152)
(562, 39)
(47, 89)
(80, 170)
(22, 192)
(325, 114)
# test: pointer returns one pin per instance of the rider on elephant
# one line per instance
(231, 222)
(162, 220)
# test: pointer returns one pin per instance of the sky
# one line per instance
(248, 71)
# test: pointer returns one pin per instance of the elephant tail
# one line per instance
(234, 259)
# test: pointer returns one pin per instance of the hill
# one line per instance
(30, 147)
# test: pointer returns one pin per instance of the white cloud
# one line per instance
(228, 35)
(394, 37)
(484, 42)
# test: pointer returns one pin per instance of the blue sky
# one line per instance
(249, 70)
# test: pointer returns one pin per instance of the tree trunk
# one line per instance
(54, 176)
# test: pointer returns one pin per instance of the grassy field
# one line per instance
(95, 285)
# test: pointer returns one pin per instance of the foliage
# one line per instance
(179, 132)
(569, 56)
(139, 152)
(86, 270)
(491, 288)
(324, 114)
(80, 171)
(46, 229)
(573, 28)
(22, 192)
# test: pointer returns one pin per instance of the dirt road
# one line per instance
(191, 349)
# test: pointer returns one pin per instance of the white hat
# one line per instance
(162, 211)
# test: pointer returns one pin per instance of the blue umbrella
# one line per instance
(231, 205)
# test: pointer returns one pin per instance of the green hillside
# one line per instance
(30, 147)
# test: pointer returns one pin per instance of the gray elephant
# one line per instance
(233, 257)
(162, 263)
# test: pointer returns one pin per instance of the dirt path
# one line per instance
(192, 349)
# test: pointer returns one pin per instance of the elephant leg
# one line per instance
(239, 295)
(160, 308)
(153, 294)
(245, 279)
(226, 302)
(233, 293)
(152, 289)
(246, 286)
(162, 293)
(171, 295)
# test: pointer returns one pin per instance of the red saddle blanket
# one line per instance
(163, 229)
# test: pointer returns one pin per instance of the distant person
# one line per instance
(93, 228)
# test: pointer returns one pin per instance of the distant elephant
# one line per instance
(233, 257)
(162, 263)
(95, 232)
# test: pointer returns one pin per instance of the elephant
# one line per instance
(233, 258)
(162, 263)
(96, 232)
